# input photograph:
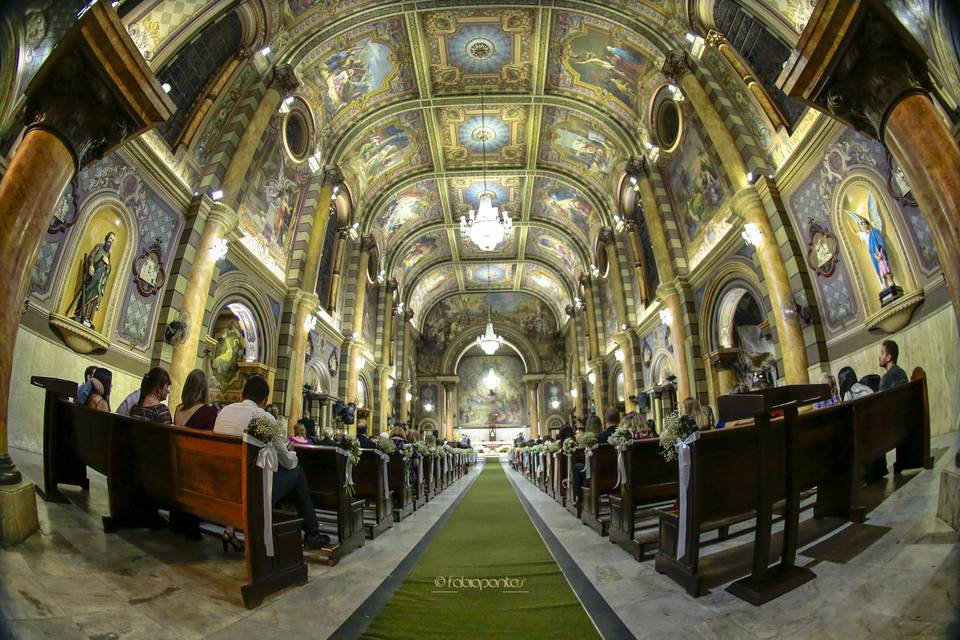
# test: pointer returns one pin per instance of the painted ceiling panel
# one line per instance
(434, 283)
(469, 130)
(560, 204)
(550, 247)
(480, 47)
(395, 144)
(538, 278)
(424, 249)
(409, 208)
(489, 275)
(576, 143)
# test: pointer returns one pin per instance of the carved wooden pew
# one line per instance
(326, 472)
(210, 475)
(399, 469)
(649, 479)
(559, 475)
(602, 474)
(573, 506)
(371, 483)
(417, 496)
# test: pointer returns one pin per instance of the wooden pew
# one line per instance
(210, 475)
(417, 494)
(603, 480)
(573, 506)
(326, 471)
(399, 470)
(744, 406)
(559, 475)
(650, 479)
(723, 483)
(371, 483)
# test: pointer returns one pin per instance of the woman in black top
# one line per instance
(153, 391)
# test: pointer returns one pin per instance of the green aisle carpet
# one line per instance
(488, 536)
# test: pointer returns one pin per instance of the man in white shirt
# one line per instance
(128, 403)
(289, 481)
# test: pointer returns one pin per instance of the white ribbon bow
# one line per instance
(586, 460)
(621, 467)
(267, 460)
(385, 459)
(683, 451)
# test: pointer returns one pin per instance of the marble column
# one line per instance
(533, 407)
(883, 90)
(722, 361)
(599, 373)
(669, 295)
(590, 321)
(450, 409)
(307, 301)
(283, 83)
(339, 248)
(747, 205)
(633, 236)
(640, 168)
(657, 395)
(404, 403)
(367, 244)
(615, 276)
(628, 364)
(220, 220)
(91, 94)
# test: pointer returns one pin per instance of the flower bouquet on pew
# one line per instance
(385, 444)
(587, 439)
(551, 447)
(407, 450)
(267, 430)
(621, 438)
(352, 445)
(570, 445)
(676, 429)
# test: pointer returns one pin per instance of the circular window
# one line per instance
(296, 135)
(667, 119)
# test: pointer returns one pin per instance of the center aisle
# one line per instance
(486, 574)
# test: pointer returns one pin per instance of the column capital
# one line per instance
(831, 70)
(606, 235)
(585, 281)
(332, 175)
(224, 216)
(122, 97)
(714, 38)
(284, 79)
(744, 199)
(676, 65)
(367, 242)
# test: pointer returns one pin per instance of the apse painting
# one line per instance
(410, 207)
(489, 275)
(598, 59)
(466, 132)
(451, 315)
(539, 279)
(385, 148)
(435, 282)
(695, 182)
(491, 392)
(426, 248)
(559, 203)
(361, 67)
(543, 244)
(480, 47)
(577, 144)
(274, 200)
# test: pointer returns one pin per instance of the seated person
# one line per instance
(154, 389)
(83, 390)
(365, 441)
(893, 375)
(871, 380)
(652, 426)
(327, 438)
(96, 396)
(631, 421)
(128, 403)
(399, 436)
(299, 434)
(849, 388)
(739, 388)
(611, 420)
(289, 481)
(695, 415)
(834, 398)
(193, 410)
(566, 431)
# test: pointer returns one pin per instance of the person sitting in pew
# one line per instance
(695, 416)
(893, 375)
(399, 436)
(99, 396)
(83, 390)
(154, 389)
(612, 418)
(849, 388)
(365, 441)
(128, 403)
(739, 388)
(299, 434)
(327, 438)
(871, 380)
(827, 378)
(193, 410)
(289, 481)
(566, 431)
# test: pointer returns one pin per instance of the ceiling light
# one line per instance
(361, 362)
(573, 393)
(166, 87)
(489, 342)
(486, 227)
(408, 396)
(555, 404)
(752, 234)
(217, 195)
(428, 407)
(265, 51)
(666, 316)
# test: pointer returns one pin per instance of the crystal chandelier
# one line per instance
(487, 226)
(489, 342)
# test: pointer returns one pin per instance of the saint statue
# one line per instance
(95, 269)
(870, 230)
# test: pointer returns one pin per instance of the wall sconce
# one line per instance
(217, 195)
(315, 162)
(595, 271)
(428, 407)
(265, 51)
(389, 383)
(219, 249)
(310, 323)
(361, 362)
(578, 304)
(285, 105)
(354, 231)
(381, 276)
(592, 377)
(573, 393)
(408, 396)
(666, 316)
(752, 234)
(751, 178)
(619, 355)
(166, 87)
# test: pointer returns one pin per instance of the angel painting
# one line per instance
(870, 230)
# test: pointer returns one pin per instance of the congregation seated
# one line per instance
(98, 397)
(299, 434)
(83, 389)
(325, 439)
(849, 387)
(399, 436)
(695, 417)
(612, 418)
(194, 411)
(566, 431)
(154, 389)
(893, 375)
(363, 437)
(289, 481)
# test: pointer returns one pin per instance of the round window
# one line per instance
(296, 135)
(667, 119)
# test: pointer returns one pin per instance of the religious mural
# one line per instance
(549, 246)
(553, 397)
(491, 392)
(359, 68)
(470, 48)
(559, 203)
(273, 201)
(431, 245)
(494, 275)
(500, 131)
(577, 144)
(608, 310)
(598, 59)
(386, 147)
(543, 281)
(433, 283)
(370, 314)
(694, 179)
(412, 206)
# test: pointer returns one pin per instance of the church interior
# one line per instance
(393, 319)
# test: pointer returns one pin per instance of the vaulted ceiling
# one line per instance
(411, 94)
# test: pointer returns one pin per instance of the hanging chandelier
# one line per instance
(486, 226)
(489, 342)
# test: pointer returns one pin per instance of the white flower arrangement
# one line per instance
(570, 445)
(353, 446)
(621, 438)
(537, 448)
(552, 447)
(407, 450)
(586, 439)
(675, 430)
(267, 430)
(386, 444)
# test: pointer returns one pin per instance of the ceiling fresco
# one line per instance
(410, 207)
(466, 132)
(388, 147)
(426, 248)
(574, 142)
(494, 275)
(543, 281)
(560, 204)
(550, 247)
(470, 49)
(434, 283)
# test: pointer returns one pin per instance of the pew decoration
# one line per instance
(588, 442)
(266, 433)
(353, 458)
(570, 445)
(683, 451)
(385, 444)
(675, 430)
(620, 439)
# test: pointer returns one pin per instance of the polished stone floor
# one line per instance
(901, 579)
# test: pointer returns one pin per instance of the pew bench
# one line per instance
(650, 481)
(371, 483)
(602, 476)
(399, 470)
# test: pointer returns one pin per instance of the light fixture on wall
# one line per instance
(573, 393)
(491, 380)
(666, 316)
(619, 355)
(752, 234)
(217, 195)
(315, 162)
(592, 377)
(428, 407)
(389, 383)
(619, 224)
(381, 276)
(354, 231)
(361, 362)
(554, 404)
(578, 304)
(487, 226)
(219, 249)
(265, 51)
(310, 323)
(408, 396)
(594, 271)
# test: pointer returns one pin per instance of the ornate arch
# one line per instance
(511, 337)
(236, 287)
(735, 272)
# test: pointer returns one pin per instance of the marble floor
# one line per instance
(72, 581)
